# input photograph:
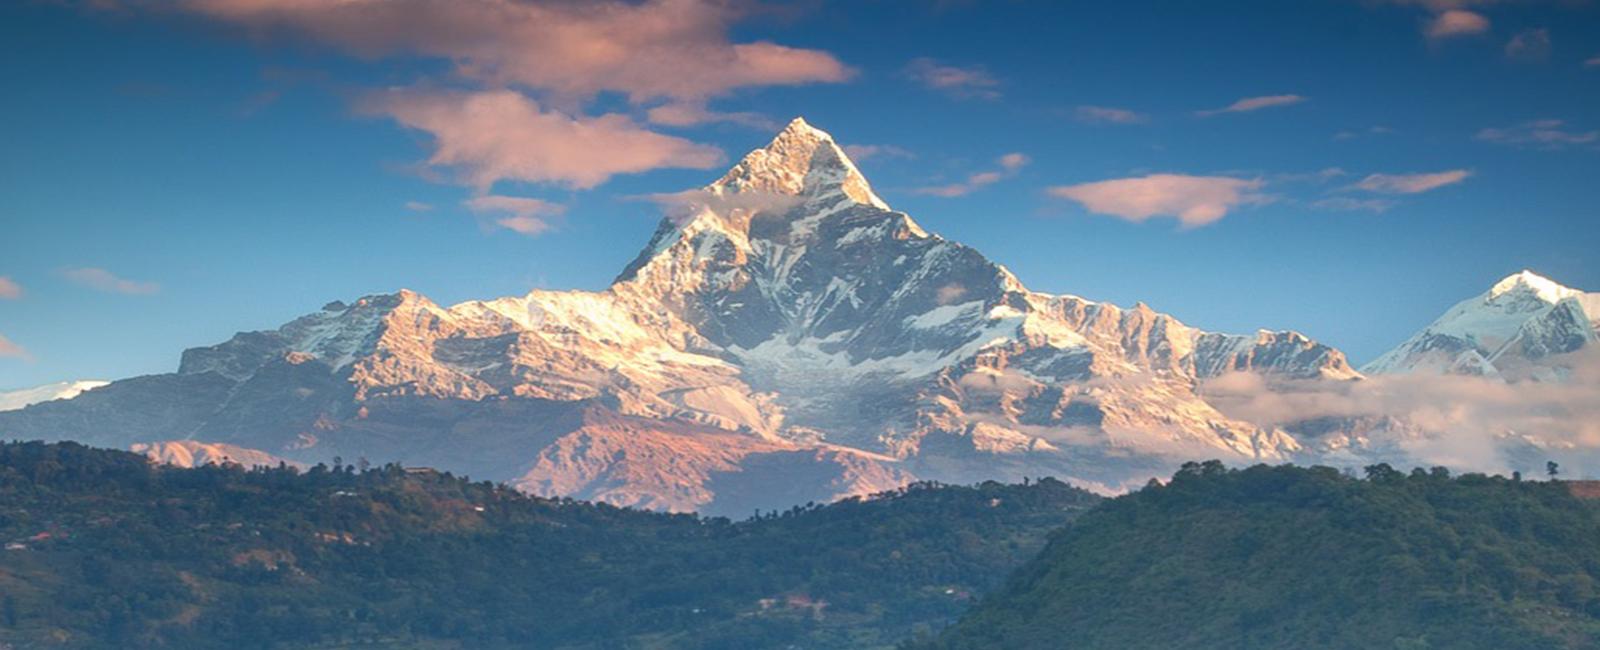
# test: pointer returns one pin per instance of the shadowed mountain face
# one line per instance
(784, 337)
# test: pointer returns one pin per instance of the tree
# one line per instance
(1552, 468)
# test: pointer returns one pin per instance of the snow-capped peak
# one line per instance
(802, 161)
(13, 400)
(1527, 282)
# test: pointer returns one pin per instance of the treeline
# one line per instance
(105, 550)
(1285, 557)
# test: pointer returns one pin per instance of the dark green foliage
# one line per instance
(1284, 557)
(120, 554)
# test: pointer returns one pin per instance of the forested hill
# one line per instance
(106, 550)
(1283, 557)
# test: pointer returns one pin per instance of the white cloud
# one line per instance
(9, 289)
(1009, 164)
(1249, 104)
(957, 81)
(502, 135)
(1108, 115)
(1456, 22)
(1410, 183)
(103, 280)
(1541, 134)
(522, 215)
(418, 206)
(1463, 422)
(1194, 200)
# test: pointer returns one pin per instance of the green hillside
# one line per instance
(1283, 557)
(104, 550)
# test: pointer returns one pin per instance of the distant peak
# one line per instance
(802, 161)
(1528, 282)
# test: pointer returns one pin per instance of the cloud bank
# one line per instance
(1467, 423)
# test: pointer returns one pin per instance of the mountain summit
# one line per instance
(1516, 330)
(784, 336)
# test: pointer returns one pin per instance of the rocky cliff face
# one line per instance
(785, 336)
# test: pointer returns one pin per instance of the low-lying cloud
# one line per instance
(1464, 422)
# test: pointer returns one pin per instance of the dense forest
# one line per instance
(1285, 557)
(105, 550)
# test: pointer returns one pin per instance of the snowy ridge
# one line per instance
(782, 324)
(16, 399)
(1514, 326)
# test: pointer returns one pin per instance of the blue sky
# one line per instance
(174, 172)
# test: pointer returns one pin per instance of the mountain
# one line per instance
(1515, 330)
(785, 336)
(105, 550)
(13, 400)
(1286, 557)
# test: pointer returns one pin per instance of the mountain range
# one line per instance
(785, 336)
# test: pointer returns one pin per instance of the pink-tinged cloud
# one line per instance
(1107, 115)
(1009, 164)
(676, 49)
(1249, 104)
(502, 135)
(1456, 22)
(522, 215)
(1529, 45)
(1194, 200)
(1411, 183)
(12, 350)
(956, 81)
(1541, 134)
(9, 289)
(103, 280)
(1593, 62)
